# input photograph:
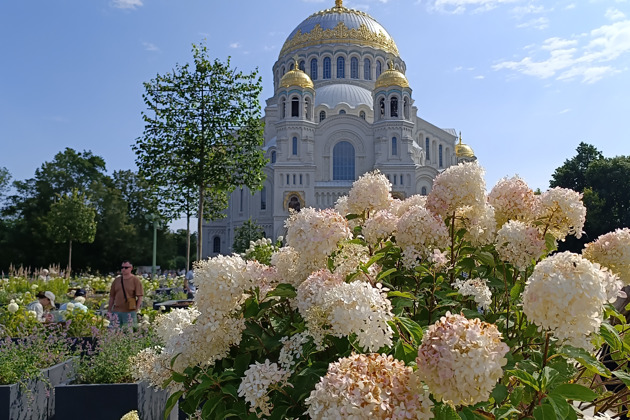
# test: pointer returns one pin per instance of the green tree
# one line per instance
(5, 178)
(605, 184)
(71, 219)
(203, 132)
(244, 234)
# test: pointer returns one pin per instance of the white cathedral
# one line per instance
(342, 107)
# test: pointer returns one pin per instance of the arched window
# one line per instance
(282, 70)
(381, 107)
(406, 108)
(427, 147)
(273, 156)
(354, 68)
(314, 69)
(362, 115)
(263, 198)
(367, 69)
(341, 67)
(379, 68)
(394, 146)
(343, 161)
(440, 152)
(294, 145)
(327, 68)
(423, 191)
(322, 116)
(394, 107)
(302, 65)
(283, 108)
(342, 111)
(307, 108)
(216, 245)
(295, 107)
(401, 179)
(291, 66)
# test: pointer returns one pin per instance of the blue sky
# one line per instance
(524, 80)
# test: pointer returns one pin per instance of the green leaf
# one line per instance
(170, 403)
(586, 360)
(210, 405)
(404, 295)
(178, 377)
(230, 389)
(506, 413)
(499, 393)
(385, 273)
(283, 290)
(485, 258)
(241, 363)
(516, 291)
(404, 352)
(625, 377)
(445, 412)
(610, 334)
(525, 378)
(559, 404)
(550, 242)
(412, 328)
(544, 412)
(574, 392)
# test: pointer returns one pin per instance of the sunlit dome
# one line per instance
(339, 25)
(352, 95)
(463, 150)
(296, 77)
(391, 77)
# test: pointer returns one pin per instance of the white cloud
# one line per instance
(235, 45)
(538, 23)
(480, 77)
(564, 111)
(148, 46)
(615, 14)
(461, 6)
(569, 6)
(126, 4)
(567, 60)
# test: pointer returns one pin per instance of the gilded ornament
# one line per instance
(463, 150)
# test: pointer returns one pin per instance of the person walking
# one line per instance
(125, 296)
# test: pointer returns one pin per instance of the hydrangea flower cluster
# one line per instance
(153, 366)
(330, 306)
(479, 223)
(458, 186)
(519, 244)
(418, 233)
(477, 288)
(512, 199)
(403, 206)
(291, 350)
(365, 386)
(461, 359)
(562, 211)
(255, 386)
(566, 295)
(12, 306)
(173, 323)
(369, 193)
(612, 251)
(379, 227)
(346, 261)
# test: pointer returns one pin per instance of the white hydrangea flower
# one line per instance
(519, 244)
(479, 223)
(255, 386)
(314, 234)
(367, 386)
(612, 251)
(561, 212)
(512, 199)
(291, 350)
(291, 267)
(350, 255)
(419, 233)
(461, 359)
(153, 366)
(379, 227)
(369, 193)
(458, 186)
(477, 288)
(173, 323)
(414, 200)
(13, 307)
(566, 295)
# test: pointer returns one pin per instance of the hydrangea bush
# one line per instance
(451, 306)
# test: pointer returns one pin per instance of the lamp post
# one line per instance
(156, 225)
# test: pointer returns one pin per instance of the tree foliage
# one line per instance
(202, 136)
(244, 234)
(605, 183)
(71, 219)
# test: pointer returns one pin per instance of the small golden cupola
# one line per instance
(464, 151)
(391, 77)
(296, 77)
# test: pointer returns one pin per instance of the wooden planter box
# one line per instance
(37, 400)
(111, 401)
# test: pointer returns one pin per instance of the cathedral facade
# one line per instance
(342, 107)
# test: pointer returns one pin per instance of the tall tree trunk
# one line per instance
(200, 222)
(69, 260)
(187, 239)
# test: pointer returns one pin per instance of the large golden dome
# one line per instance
(296, 77)
(391, 77)
(463, 150)
(339, 25)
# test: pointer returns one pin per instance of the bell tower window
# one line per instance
(322, 116)
(294, 146)
(295, 107)
(394, 146)
(394, 107)
(341, 68)
(354, 68)
(314, 69)
(367, 69)
(327, 68)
